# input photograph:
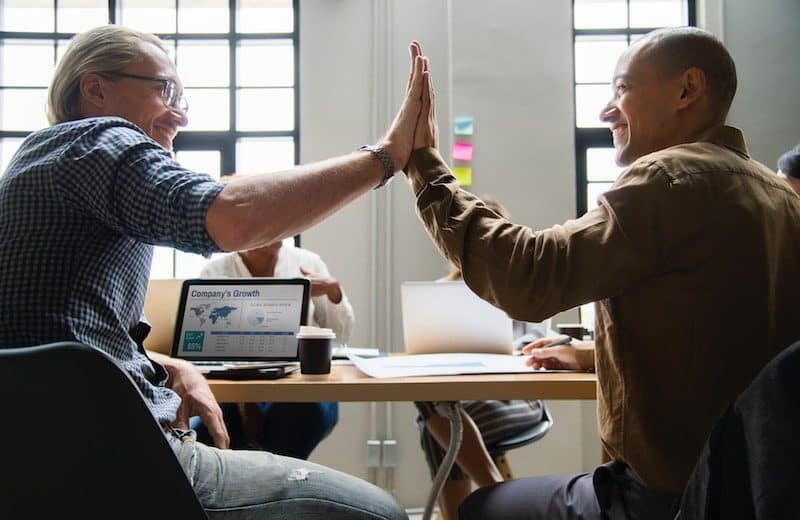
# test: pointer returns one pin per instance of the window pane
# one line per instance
(208, 109)
(203, 63)
(600, 14)
(79, 15)
(265, 16)
(600, 165)
(188, 265)
(26, 63)
(61, 48)
(594, 190)
(155, 16)
(23, 109)
(162, 262)
(659, 13)
(587, 315)
(265, 109)
(261, 155)
(589, 101)
(8, 147)
(27, 15)
(265, 63)
(203, 16)
(596, 57)
(202, 161)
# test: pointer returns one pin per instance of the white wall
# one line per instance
(509, 65)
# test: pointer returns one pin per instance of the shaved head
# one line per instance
(678, 49)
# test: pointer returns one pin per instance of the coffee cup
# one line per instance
(575, 330)
(315, 348)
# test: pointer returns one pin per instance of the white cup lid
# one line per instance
(315, 332)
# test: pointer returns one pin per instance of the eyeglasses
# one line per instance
(169, 94)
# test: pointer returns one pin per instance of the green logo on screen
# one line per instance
(193, 341)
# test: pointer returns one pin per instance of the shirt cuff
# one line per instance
(585, 357)
(426, 166)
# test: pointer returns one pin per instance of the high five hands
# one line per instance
(415, 124)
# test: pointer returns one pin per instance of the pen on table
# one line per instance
(563, 340)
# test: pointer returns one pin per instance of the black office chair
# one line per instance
(78, 441)
(498, 449)
(748, 466)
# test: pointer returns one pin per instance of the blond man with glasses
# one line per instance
(84, 201)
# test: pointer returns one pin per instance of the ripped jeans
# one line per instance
(233, 484)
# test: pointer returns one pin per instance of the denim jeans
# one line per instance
(246, 485)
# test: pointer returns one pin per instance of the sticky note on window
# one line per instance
(464, 125)
(462, 151)
(463, 175)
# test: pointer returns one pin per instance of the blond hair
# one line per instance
(109, 48)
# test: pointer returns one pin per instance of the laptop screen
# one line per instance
(443, 317)
(240, 319)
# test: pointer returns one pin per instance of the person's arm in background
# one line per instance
(259, 209)
(332, 309)
(196, 397)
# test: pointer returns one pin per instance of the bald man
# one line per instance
(690, 257)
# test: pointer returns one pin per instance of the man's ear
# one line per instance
(693, 87)
(92, 89)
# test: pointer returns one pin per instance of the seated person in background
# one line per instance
(789, 168)
(291, 429)
(691, 258)
(485, 422)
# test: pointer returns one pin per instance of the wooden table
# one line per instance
(347, 383)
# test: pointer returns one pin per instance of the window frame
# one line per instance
(223, 141)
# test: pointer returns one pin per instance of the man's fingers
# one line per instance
(219, 432)
(415, 90)
(527, 349)
(181, 418)
(413, 51)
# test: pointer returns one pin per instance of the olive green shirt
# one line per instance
(693, 260)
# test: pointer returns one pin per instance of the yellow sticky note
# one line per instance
(463, 175)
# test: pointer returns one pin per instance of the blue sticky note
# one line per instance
(464, 125)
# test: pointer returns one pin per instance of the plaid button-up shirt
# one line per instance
(81, 206)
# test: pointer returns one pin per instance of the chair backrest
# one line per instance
(77, 440)
(748, 465)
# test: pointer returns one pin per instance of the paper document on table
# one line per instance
(441, 365)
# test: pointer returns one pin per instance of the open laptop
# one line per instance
(225, 322)
(440, 317)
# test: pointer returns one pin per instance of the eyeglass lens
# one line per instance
(171, 97)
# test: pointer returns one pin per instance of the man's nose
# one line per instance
(609, 112)
(181, 117)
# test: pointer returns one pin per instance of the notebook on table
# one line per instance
(230, 323)
(444, 317)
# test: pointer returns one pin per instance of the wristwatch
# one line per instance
(385, 159)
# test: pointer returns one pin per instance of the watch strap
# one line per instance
(383, 156)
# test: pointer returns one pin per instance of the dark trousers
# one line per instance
(611, 492)
(288, 429)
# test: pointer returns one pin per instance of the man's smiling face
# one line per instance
(641, 112)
